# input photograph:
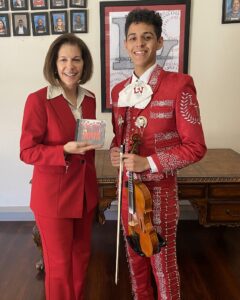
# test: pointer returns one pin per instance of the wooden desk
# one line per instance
(211, 185)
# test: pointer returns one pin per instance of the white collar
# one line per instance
(145, 76)
(55, 91)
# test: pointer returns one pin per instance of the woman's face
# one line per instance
(69, 66)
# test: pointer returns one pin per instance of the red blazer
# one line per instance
(58, 185)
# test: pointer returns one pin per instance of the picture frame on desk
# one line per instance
(4, 25)
(4, 5)
(116, 65)
(20, 23)
(230, 11)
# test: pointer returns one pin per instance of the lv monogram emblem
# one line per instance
(138, 89)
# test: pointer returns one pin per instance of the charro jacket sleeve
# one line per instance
(188, 125)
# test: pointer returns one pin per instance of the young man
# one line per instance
(161, 107)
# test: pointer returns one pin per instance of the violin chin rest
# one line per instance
(134, 242)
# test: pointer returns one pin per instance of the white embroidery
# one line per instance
(162, 103)
(189, 109)
(171, 162)
(163, 115)
(159, 137)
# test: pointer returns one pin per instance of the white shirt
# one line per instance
(145, 78)
(55, 91)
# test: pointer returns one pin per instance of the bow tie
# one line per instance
(137, 94)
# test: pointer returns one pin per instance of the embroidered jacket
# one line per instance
(173, 136)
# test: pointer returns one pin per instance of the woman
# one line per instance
(64, 186)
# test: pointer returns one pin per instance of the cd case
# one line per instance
(90, 131)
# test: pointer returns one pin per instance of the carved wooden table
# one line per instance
(211, 185)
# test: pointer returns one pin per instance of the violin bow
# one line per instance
(120, 175)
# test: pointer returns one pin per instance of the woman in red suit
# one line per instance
(64, 186)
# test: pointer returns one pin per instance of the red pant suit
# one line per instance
(174, 139)
(64, 191)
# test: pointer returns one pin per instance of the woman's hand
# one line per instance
(79, 147)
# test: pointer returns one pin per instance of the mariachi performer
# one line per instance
(162, 109)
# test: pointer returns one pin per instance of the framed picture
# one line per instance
(54, 4)
(40, 23)
(19, 4)
(20, 23)
(78, 3)
(3, 4)
(38, 4)
(59, 22)
(78, 19)
(231, 11)
(116, 65)
(4, 25)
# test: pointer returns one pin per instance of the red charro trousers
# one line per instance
(66, 251)
(164, 264)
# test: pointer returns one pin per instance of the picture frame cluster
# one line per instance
(42, 17)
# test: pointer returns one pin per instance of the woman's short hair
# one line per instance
(50, 66)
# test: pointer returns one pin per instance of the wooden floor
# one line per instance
(208, 258)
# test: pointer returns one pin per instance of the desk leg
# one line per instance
(37, 239)
(201, 206)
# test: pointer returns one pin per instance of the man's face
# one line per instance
(142, 45)
(236, 6)
(20, 23)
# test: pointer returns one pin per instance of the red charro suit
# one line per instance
(64, 192)
(174, 139)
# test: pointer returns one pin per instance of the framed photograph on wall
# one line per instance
(4, 25)
(231, 11)
(20, 23)
(59, 22)
(78, 3)
(40, 23)
(54, 4)
(38, 4)
(115, 64)
(78, 21)
(3, 4)
(19, 4)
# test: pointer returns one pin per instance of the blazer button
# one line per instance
(82, 161)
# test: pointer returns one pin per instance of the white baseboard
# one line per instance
(16, 213)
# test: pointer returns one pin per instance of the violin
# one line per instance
(142, 237)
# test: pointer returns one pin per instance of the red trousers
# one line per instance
(66, 251)
(164, 264)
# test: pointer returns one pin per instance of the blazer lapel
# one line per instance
(64, 115)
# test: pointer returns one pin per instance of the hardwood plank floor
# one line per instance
(208, 258)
